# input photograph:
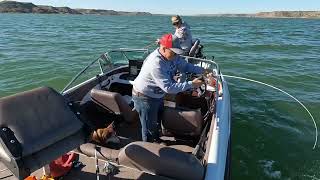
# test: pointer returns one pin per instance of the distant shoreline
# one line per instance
(21, 7)
(273, 14)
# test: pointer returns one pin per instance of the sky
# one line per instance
(187, 7)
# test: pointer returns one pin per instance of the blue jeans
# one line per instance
(149, 110)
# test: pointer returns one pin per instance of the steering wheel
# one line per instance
(190, 76)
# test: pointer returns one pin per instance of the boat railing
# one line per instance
(204, 62)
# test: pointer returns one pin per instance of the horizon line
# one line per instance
(184, 14)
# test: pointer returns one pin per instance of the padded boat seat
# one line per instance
(183, 148)
(179, 122)
(115, 102)
(161, 160)
(195, 48)
(44, 128)
(103, 152)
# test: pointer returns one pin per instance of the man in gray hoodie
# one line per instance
(183, 32)
(156, 79)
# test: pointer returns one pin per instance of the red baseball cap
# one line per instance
(171, 42)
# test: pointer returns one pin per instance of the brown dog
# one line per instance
(106, 135)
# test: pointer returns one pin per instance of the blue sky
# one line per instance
(187, 7)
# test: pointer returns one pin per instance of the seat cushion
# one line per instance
(39, 118)
(103, 152)
(194, 48)
(115, 102)
(183, 148)
(181, 122)
(161, 160)
(186, 100)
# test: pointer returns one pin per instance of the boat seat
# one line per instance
(37, 126)
(134, 68)
(103, 153)
(115, 102)
(195, 48)
(183, 148)
(161, 160)
(179, 122)
(187, 101)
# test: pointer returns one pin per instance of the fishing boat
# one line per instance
(39, 125)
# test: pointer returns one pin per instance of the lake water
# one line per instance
(272, 136)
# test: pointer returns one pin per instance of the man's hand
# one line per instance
(197, 82)
(211, 81)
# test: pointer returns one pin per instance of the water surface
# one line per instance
(272, 136)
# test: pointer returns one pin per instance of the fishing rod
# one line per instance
(255, 81)
(96, 148)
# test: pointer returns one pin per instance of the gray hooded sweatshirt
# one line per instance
(156, 75)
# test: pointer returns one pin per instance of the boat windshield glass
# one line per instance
(106, 62)
(116, 58)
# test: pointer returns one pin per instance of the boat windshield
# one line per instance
(120, 57)
(116, 58)
(106, 62)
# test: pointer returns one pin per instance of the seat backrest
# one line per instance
(161, 160)
(181, 122)
(135, 67)
(40, 119)
(115, 102)
(186, 100)
(194, 48)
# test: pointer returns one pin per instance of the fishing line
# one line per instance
(314, 122)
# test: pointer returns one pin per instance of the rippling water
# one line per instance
(272, 136)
